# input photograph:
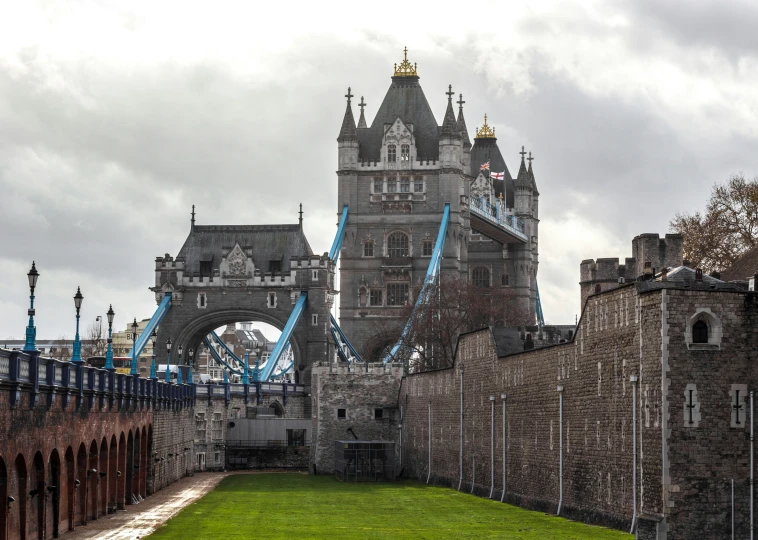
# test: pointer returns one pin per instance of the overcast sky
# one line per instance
(114, 120)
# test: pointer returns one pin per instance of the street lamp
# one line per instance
(134, 343)
(77, 356)
(168, 360)
(31, 331)
(191, 355)
(179, 364)
(153, 372)
(246, 367)
(109, 350)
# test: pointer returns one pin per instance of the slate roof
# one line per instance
(347, 131)
(404, 99)
(268, 242)
(743, 268)
(507, 340)
(487, 149)
(685, 274)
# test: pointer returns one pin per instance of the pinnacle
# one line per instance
(348, 131)
(449, 124)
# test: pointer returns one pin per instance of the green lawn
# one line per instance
(298, 506)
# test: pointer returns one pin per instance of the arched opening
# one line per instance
(397, 245)
(54, 490)
(700, 332)
(37, 498)
(112, 475)
(480, 277)
(121, 473)
(92, 481)
(277, 409)
(3, 501)
(129, 472)
(81, 484)
(598, 288)
(150, 489)
(19, 492)
(103, 478)
(136, 466)
(69, 491)
(143, 464)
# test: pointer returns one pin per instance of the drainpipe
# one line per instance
(560, 450)
(460, 452)
(633, 380)
(502, 497)
(429, 476)
(492, 447)
(752, 439)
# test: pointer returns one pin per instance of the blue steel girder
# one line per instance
(218, 340)
(334, 253)
(283, 342)
(345, 349)
(540, 316)
(155, 320)
(217, 357)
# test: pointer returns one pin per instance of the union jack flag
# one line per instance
(497, 175)
(485, 166)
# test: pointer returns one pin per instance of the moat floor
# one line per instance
(292, 505)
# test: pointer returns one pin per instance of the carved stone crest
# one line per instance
(237, 261)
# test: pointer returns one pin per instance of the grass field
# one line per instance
(298, 506)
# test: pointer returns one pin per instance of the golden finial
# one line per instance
(405, 69)
(485, 132)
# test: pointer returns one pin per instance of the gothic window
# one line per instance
(405, 185)
(598, 288)
(271, 300)
(397, 294)
(391, 153)
(216, 427)
(362, 297)
(376, 297)
(426, 248)
(418, 185)
(314, 319)
(378, 185)
(481, 277)
(391, 185)
(504, 279)
(397, 245)
(368, 248)
(202, 300)
(405, 152)
(700, 332)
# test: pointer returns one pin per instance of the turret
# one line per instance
(463, 130)
(451, 146)
(523, 189)
(347, 141)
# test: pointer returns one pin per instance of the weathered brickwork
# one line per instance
(360, 393)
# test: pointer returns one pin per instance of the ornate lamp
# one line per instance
(189, 376)
(31, 331)
(179, 364)
(109, 350)
(135, 326)
(168, 360)
(153, 339)
(76, 357)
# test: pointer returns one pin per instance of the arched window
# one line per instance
(598, 288)
(504, 279)
(700, 332)
(391, 153)
(481, 277)
(397, 245)
(368, 248)
(427, 248)
(405, 152)
(276, 409)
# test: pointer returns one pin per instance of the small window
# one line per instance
(426, 248)
(206, 268)
(405, 152)
(275, 266)
(217, 456)
(376, 297)
(314, 319)
(481, 277)
(314, 275)
(341, 413)
(378, 414)
(271, 300)
(397, 294)
(378, 185)
(295, 437)
(405, 185)
(418, 185)
(368, 248)
(201, 300)
(504, 279)
(362, 297)
(391, 186)
(397, 245)
(700, 332)
(598, 288)
(391, 153)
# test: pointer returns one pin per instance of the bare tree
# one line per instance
(95, 338)
(453, 307)
(60, 349)
(728, 228)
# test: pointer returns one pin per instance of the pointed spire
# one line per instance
(362, 119)
(462, 123)
(348, 132)
(192, 221)
(530, 173)
(301, 216)
(450, 124)
(522, 180)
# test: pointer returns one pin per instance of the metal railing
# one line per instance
(492, 213)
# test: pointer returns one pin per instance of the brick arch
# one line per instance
(92, 464)
(150, 459)
(36, 521)
(3, 500)
(55, 490)
(136, 463)
(19, 491)
(80, 489)
(70, 493)
(121, 473)
(103, 478)
(143, 463)
(112, 473)
(129, 471)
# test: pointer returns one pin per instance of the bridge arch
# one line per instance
(3, 497)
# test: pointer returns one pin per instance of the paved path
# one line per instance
(141, 519)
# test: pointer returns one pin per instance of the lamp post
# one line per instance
(153, 372)
(189, 375)
(246, 367)
(77, 356)
(31, 331)
(226, 375)
(109, 350)
(134, 352)
(179, 364)
(168, 360)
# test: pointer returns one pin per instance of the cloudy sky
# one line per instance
(115, 120)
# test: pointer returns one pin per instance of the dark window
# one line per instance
(405, 185)
(391, 153)
(378, 185)
(275, 266)
(504, 279)
(426, 248)
(405, 152)
(295, 437)
(700, 332)
(368, 248)
(598, 288)
(376, 297)
(378, 413)
(391, 186)
(397, 245)
(481, 277)
(397, 294)
(418, 184)
(362, 296)
(206, 267)
(341, 413)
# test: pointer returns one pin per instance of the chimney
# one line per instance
(664, 274)
(686, 263)
(716, 275)
(698, 274)
(648, 272)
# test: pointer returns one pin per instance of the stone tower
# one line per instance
(396, 176)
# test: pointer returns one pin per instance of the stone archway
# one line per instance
(54, 487)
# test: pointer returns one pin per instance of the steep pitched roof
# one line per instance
(530, 172)
(449, 127)
(744, 267)
(463, 129)
(487, 150)
(269, 243)
(405, 100)
(522, 179)
(348, 131)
